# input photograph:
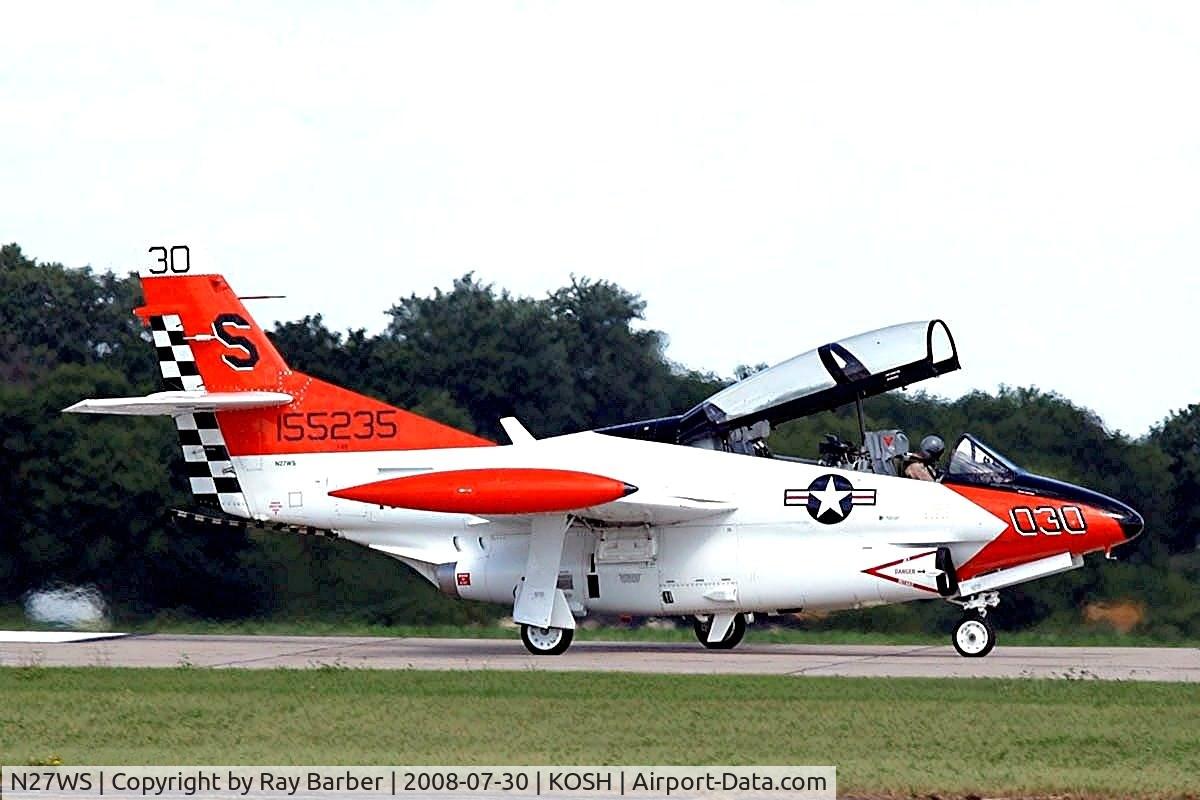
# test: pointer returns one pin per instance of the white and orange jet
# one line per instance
(687, 516)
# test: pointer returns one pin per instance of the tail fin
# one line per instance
(207, 341)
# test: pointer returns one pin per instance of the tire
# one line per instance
(973, 637)
(733, 638)
(546, 641)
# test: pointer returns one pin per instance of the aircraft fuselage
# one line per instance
(795, 536)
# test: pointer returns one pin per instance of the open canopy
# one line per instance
(822, 379)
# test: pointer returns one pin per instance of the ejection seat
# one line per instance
(886, 451)
(882, 453)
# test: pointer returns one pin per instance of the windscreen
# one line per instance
(974, 462)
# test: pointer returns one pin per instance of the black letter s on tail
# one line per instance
(235, 342)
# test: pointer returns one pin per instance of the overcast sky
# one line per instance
(767, 176)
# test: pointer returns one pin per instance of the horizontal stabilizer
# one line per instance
(175, 402)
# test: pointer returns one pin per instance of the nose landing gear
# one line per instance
(974, 636)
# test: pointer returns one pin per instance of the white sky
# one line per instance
(767, 176)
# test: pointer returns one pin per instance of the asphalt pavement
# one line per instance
(267, 652)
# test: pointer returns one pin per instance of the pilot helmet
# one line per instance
(933, 446)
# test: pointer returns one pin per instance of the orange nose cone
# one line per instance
(507, 490)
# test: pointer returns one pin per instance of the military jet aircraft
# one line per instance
(688, 516)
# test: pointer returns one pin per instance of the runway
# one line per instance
(299, 652)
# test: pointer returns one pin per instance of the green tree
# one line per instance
(1178, 438)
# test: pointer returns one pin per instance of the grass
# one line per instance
(915, 736)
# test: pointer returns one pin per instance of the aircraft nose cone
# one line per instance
(1131, 522)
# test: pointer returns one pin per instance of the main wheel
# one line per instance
(546, 641)
(734, 637)
(974, 637)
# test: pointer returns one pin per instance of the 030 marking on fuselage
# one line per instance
(1047, 520)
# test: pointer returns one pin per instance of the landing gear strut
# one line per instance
(732, 638)
(546, 641)
(974, 636)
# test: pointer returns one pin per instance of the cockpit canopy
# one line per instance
(974, 462)
(823, 379)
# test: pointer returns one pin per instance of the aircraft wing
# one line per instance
(546, 499)
(642, 509)
(522, 492)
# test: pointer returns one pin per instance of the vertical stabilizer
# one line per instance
(207, 339)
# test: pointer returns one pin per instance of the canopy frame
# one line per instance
(851, 381)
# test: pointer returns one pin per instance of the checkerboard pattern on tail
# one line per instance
(175, 357)
(210, 470)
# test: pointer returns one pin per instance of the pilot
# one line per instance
(922, 465)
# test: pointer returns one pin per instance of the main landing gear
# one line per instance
(737, 630)
(546, 641)
(974, 636)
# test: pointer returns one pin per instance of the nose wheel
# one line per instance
(974, 636)
(546, 641)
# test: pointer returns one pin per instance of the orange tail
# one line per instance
(206, 340)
